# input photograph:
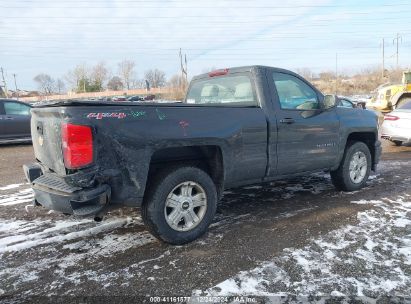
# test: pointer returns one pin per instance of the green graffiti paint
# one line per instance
(138, 113)
(160, 115)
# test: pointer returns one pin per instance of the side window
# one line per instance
(344, 103)
(14, 108)
(295, 94)
(233, 89)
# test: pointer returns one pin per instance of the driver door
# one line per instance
(16, 120)
(307, 134)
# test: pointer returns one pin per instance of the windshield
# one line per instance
(227, 90)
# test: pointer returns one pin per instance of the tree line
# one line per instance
(84, 78)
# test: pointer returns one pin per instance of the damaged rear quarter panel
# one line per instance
(124, 143)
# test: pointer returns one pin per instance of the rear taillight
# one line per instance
(77, 142)
(391, 117)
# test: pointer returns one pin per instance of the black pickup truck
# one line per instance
(236, 127)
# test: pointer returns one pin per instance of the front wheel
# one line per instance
(180, 204)
(354, 169)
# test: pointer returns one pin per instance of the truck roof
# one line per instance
(240, 69)
(248, 68)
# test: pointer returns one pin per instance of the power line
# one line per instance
(213, 7)
(284, 55)
(234, 22)
(224, 2)
(105, 38)
(226, 16)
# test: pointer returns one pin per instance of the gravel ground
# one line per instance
(296, 238)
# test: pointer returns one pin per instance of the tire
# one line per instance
(402, 102)
(170, 203)
(397, 142)
(343, 178)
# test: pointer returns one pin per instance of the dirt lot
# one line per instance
(298, 237)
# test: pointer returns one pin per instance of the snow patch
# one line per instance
(20, 197)
(369, 259)
(48, 235)
(12, 186)
(61, 245)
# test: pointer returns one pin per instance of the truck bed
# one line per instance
(128, 136)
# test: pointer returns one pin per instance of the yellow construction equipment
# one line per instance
(390, 96)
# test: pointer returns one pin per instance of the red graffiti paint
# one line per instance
(184, 124)
(106, 115)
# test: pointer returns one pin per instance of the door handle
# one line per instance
(287, 120)
(8, 118)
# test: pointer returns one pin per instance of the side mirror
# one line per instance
(330, 101)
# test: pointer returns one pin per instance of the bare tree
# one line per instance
(176, 81)
(306, 73)
(126, 70)
(139, 84)
(99, 75)
(156, 78)
(115, 84)
(60, 86)
(45, 83)
(178, 86)
(78, 78)
(327, 76)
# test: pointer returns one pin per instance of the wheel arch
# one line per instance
(368, 137)
(206, 157)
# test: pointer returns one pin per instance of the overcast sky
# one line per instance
(53, 36)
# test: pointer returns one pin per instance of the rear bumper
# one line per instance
(403, 139)
(395, 133)
(52, 192)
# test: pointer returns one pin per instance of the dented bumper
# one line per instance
(54, 193)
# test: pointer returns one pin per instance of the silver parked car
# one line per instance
(397, 125)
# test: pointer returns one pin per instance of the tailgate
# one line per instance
(46, 136)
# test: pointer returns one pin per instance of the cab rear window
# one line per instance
(235, 90)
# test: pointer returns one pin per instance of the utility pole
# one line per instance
(183, 67)
(397, 40)
(4, 83)
(15, 85)
(383, 59)
(336, 73)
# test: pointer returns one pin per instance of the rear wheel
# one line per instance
(180, 204)
(354, 169)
